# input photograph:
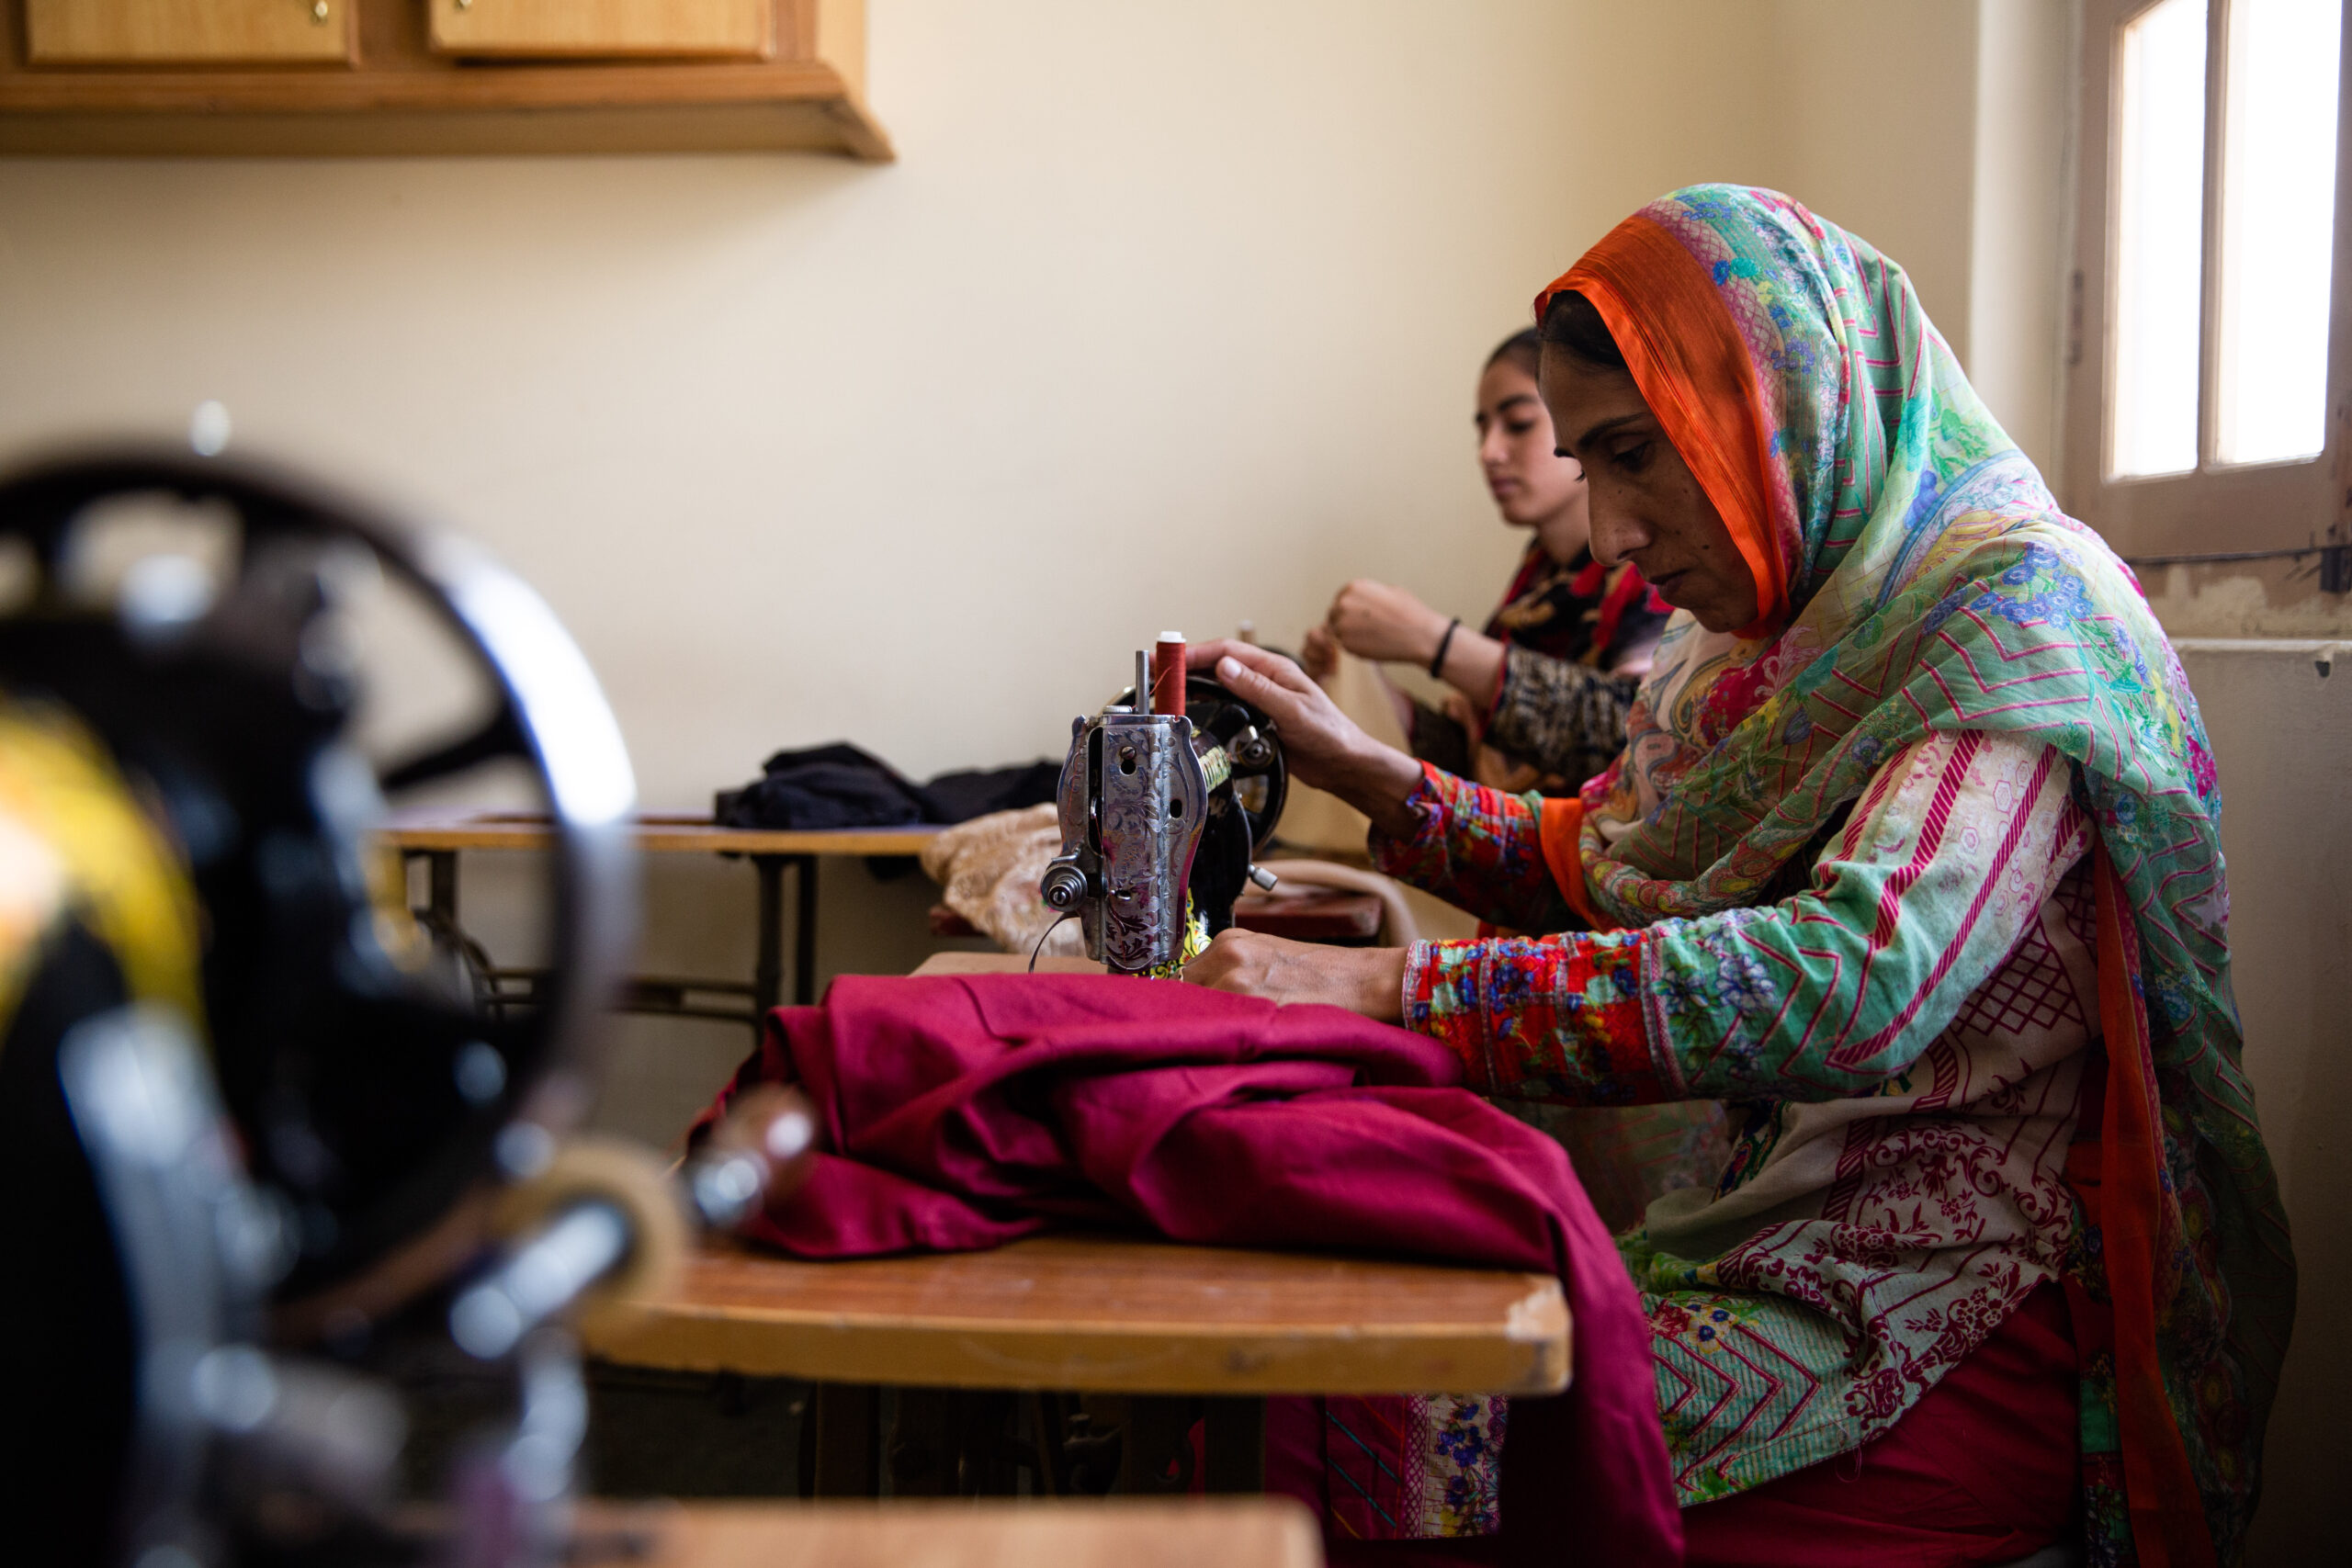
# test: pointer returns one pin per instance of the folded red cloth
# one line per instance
(965, 1110)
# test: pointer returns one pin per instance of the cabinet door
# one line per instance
(188, 32)
(609, 27)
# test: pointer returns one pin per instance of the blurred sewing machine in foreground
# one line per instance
(1166, 796)
(255, 1125)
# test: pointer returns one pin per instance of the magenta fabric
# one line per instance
(1982, 1471)
(965, 1110)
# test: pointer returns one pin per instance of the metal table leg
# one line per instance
(804, 931)
(441, 879)
(767, 978)
(767, 972)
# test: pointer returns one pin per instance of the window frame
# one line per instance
(2215, 507)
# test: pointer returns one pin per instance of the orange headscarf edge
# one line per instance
(1560, 832)
(1686, 358)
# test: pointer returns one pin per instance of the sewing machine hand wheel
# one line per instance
(1261, 779)
(236, 693)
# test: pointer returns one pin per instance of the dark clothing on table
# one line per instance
(1557, 708)
(841, 785)
(982, 791)
(822, 786)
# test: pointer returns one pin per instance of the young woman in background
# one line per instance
(1540, 694)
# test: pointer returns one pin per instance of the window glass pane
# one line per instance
(2278, 228)
(2160, 243)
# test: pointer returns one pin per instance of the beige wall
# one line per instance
(1167, 317)
(2018, 244)
(1934, 128)
(1878, 137)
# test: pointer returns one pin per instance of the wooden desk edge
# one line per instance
(1248, 1532)
(1531, 1355)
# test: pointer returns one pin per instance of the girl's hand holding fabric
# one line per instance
(1375, 621)
(1368, 980)
(1321, 745)
(1317, 654)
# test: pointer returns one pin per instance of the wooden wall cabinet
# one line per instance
(143, 78)
(595, 28)
(175, 32)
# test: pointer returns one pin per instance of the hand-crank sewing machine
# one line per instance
(1166, 796)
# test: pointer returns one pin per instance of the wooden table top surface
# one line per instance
(1107, 1314)
(656, 833)
(1239, 1532)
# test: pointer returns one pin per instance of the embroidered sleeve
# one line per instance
(1951, 852)
(1476, 848)
(1562, 715)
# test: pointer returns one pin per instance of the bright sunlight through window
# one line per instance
(2160, 241)
(2278, 225)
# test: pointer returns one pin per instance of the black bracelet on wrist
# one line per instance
(1437, 665)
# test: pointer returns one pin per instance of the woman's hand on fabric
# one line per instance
(1318, 655)
(1321, 745)
(1369, 980)
(1375, 621)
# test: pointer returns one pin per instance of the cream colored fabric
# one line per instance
(989, 869)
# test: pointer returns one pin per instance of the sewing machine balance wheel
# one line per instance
(1260, 781)
(272, 664)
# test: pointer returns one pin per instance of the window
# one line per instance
(2209, 341)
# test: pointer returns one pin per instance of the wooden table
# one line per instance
(1106, 1314)
(1229, 1532)
(438, 837)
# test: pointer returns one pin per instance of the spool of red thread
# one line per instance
(1167, 674)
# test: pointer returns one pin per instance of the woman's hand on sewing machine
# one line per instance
(1321, 745)
(1369, 980)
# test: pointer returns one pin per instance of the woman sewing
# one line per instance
(1911, 855)
(1539, 695)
